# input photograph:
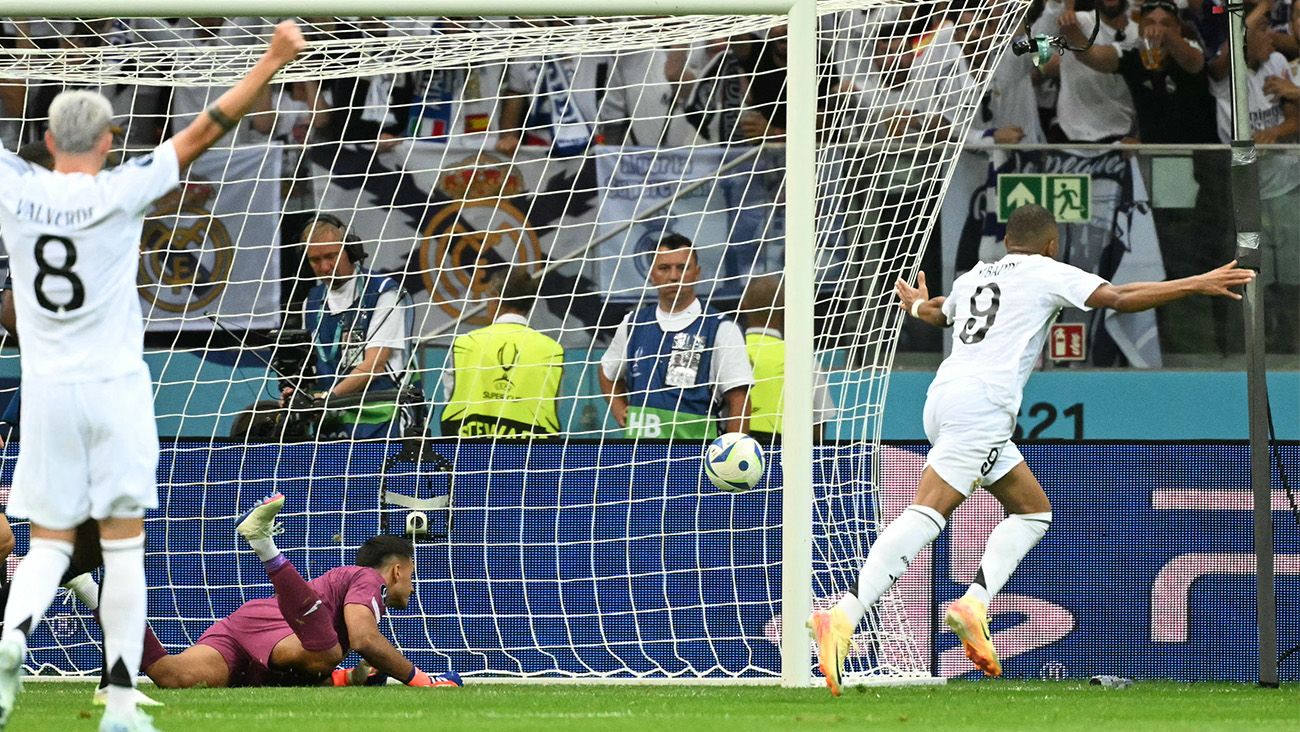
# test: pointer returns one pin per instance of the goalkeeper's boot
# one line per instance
(141, 699)
(451, 679)
(833, 632)
(259, 522)
(12, 652)
(969, 619)
(138, 721)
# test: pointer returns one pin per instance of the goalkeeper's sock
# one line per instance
(266, 549)
(122, 615)
(1010, 541)
(893, 550)
(153, 649)
(34, 585)
(302, 608)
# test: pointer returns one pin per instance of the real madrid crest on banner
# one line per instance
(480, 229)
(186, 252)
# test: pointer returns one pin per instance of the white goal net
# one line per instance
(527, 170)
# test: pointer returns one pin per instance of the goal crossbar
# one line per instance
(452, 8)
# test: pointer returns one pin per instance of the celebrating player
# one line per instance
(91, 446)
(300, 636)
(1002, 312)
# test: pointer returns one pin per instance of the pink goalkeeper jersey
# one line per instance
(340, 587)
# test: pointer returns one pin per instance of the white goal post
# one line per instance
(885, 173)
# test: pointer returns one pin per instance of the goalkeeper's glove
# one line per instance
(363, 675)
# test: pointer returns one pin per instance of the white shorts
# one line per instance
(970, 436)
(87, 450)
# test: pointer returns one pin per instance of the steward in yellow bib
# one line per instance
(763, 305)
(504, 379)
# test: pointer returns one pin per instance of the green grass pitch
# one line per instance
(579, 707)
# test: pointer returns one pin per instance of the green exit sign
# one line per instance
(1068, 197)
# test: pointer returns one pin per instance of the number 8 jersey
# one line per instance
(1001, 312)
(74, 241)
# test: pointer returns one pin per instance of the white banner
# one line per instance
(451, 216)
(1119, 242)
(212, 246)
(725, 199)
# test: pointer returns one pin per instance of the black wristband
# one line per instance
(224, 122)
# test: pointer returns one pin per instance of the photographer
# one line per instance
(359, 323)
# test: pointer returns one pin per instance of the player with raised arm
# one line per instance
(1001, 312)
(300, 636)
(90, 447)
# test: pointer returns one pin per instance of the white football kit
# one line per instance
(1000, 313)
(89, 442)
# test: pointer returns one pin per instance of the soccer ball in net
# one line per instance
(734, 462)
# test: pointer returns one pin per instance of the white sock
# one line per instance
(123, 616)
(34, 585)
(86, 590)
(1010, 541)
(265, 548)
(894, 549)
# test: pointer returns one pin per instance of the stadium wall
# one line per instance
(199, 398)
(566, 559)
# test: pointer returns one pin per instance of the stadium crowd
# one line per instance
(1156, 74)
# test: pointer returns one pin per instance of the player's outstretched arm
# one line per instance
(917, 301)
(1138, 296)
(363, 632)
(286, 43)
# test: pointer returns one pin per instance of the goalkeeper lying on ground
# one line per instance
(300, 636)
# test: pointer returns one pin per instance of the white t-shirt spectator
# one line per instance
(728, 369)
(640, 98)
(563, 98)
(190, 96)
(1091, 105)
(1010, 101)
(1278, 172)
(387, 326)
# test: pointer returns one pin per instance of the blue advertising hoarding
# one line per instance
(592, 558)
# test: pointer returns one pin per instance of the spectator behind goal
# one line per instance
(503, 380)
(673, 369)
(360, 322)
(764, 307)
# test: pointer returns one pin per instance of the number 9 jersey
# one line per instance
(73, 241)
(1001, 312)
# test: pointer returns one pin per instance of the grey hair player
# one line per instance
(91, 447)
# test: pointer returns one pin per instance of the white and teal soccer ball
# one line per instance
(734, 462)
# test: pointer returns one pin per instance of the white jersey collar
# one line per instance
(771, 332)
(680, 320)
(510, 319)
(340, 299)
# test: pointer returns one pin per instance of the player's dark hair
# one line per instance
(672, 242)
(763, 294)
(1029, 228)
(383, 549)
(518, 290)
